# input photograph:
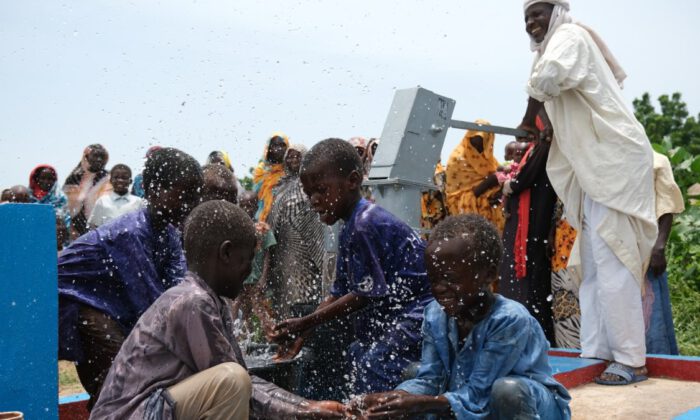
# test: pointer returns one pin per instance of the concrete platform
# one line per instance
(652, 399)
(672, 392)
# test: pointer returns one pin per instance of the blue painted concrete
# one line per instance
(74, 398)
(568, 364)
(575, 352)
(572, 351)
(28, 310)
(693, 414)
(668, 356)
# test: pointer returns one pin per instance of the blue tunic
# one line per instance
(381, 258)
(507, 343)
(121, 268)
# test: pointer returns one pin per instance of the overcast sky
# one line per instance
(206, 75)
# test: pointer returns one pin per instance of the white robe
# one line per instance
(599, 147)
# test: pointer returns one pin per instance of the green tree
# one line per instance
(673, 123)
(247, 181)
(675, 134)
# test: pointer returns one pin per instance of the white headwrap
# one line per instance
(560, 16)
(297, 147)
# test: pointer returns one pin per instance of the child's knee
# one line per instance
(235, 379)
(509, 396)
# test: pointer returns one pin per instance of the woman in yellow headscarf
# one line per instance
(471, 185)
(268, 173)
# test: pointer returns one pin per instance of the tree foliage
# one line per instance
(673, 123)
(247, 181)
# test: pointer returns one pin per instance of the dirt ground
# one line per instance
(651, 399)
(68, 382)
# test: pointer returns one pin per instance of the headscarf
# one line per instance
(467, 168)
(369, 155)
(53, 196)
(38, 193)
(285, 183)
(288, 176)
(560, 16)
(224, 156)
(265, 177)
(298, 147)
(358, 142)
(83, 188)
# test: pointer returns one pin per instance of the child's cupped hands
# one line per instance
(321, 410)
(384, 405)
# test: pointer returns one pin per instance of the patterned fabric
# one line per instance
(187, 330)
(466, 169)
(296, 261)
(565, 284)
(566, 309)
(265, 177)
(433, 208)
(564, 238)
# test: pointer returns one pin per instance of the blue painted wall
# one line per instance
(28, 311)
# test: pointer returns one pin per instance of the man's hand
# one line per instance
(489, 182)
(321, 410)
(657, 265)
(547, 134)
(532, 132)
(495, 198)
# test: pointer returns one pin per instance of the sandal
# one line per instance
(625, 373)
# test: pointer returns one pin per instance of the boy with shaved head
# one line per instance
(182, 359)
(484, 356)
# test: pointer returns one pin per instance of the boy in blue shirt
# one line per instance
(484, 356)
(380, 273)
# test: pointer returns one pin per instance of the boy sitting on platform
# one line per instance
(484, 356)
(182, 360)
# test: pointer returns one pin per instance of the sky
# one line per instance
(210, 75)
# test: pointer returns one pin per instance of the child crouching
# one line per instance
(484, 356)
(182, 360)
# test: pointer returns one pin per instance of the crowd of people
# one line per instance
(560, 245)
